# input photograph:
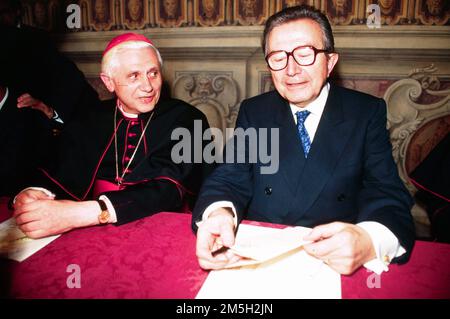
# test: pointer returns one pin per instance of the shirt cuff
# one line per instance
(386, 245)
(56, 117)
(216, 205)
(111, 210)
(44, 190)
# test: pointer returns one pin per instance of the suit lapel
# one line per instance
(331, 137)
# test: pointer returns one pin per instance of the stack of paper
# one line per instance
(276, 266)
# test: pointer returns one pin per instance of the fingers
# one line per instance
(324, 249)
(34, 229)
(214, 233)
(345, 251)
(206, 245)
(324, 231)
(27, 217)
(26, 100)
(27, 208)
(36, 234)
(227, 235)
(327, 240)
(30, 227)
(30, 195)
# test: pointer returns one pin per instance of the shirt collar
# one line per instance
(317, 106)
(126, 114)
(3, 101)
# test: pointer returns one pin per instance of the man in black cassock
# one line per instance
(114, 163)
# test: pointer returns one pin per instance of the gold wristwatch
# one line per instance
(103, 217)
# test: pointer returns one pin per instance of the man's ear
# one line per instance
(107, 80)
(331, 62)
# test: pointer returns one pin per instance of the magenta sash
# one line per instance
(101, 186)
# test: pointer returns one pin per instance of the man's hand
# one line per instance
(214, 235)
(344, 247)
(45, 217)
(30, 195)
(26, 100)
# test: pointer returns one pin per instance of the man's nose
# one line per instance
(292, 67)
(146, 84)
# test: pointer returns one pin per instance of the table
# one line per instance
(155, 258)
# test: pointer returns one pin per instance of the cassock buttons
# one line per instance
(341, 198)
(268, 190)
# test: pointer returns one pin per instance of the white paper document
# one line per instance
(277, 267)
(14, 244)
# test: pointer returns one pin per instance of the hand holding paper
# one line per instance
(256, 249)
(279, 270)
(214, 236)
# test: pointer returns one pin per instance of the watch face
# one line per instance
(103, 218)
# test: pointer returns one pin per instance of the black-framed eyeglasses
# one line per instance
(303, 55)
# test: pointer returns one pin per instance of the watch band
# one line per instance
(103, 217)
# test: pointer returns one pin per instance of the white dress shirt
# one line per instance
(3, 101)
(384, 241)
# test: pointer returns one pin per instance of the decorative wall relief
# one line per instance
(41, 14)
(134, 13)
(291, 3)
(104, 15)
(431, 12)
(216, 94)
(98, 15)
(406, 115)
(340, 12)
(209, 12)
(251, 12)
(392, 12)
(171, 13)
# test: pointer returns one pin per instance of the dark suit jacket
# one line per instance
(31, 63)
(26, 142)
(349, 175)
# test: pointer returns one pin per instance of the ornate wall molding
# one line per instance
(142, 14)
(355, 42)
(417, 106)
(405, 114)
(216, 94)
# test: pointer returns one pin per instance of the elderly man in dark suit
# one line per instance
(336, 172)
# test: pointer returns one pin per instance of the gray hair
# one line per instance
(109, 60)
(297, 13)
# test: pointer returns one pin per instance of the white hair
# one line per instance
(109, 60)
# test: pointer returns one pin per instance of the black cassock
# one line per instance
(153, 182)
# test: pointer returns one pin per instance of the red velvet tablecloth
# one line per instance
(155, 258)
